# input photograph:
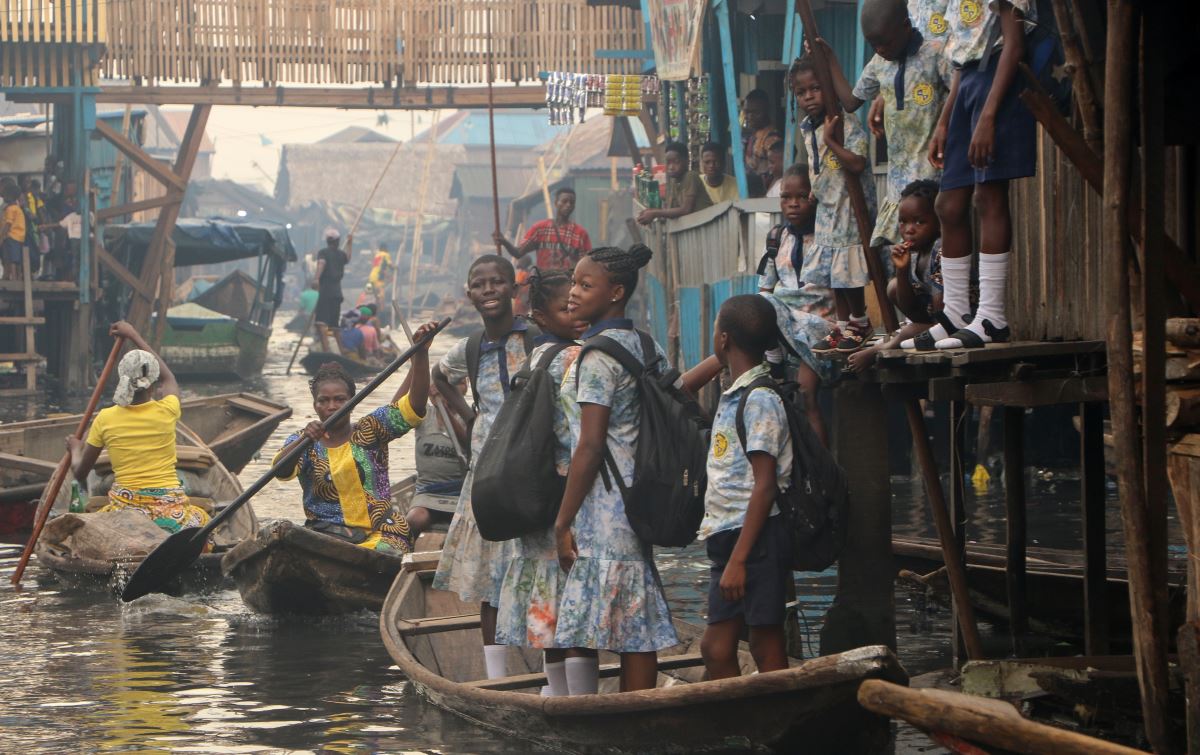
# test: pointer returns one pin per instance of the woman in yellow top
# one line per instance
(12, 231)
(344, 473)
(139, 433)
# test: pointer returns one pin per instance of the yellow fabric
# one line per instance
(726, 192)
(410, 415)
(140, 440)
(344, 471)
(14, 218)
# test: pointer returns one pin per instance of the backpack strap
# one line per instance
(474, 347)
(614, 350)
(549, 355)
(740, 421)
(774, 240)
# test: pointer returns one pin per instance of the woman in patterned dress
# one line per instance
(612, 598)
(344, 473)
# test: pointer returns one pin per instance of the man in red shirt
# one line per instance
(559, 242)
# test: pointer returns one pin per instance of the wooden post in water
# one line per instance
(1014, 503)
(1149, 651)
(863, 610)
(916, 420)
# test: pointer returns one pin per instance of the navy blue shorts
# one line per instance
(1014, 154)
(10, 250)
(768, 569)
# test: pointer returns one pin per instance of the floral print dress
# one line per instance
(612, 598)
(528, 609)
(470, 566)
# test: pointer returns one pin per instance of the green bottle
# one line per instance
(78, 504)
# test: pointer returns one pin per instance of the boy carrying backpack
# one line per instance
(746, 535)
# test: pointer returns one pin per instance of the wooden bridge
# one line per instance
(220, 45)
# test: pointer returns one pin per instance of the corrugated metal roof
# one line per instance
(470, 129)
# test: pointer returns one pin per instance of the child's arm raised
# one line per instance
(851, 161)
(581, 475)
(762, 497)
(983, 141)
(906, 298)
(841, 86)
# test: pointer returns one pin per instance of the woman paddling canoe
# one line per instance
(139, 433)
(344, 474)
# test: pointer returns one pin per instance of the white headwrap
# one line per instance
(137, 371)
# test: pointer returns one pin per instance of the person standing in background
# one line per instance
(331, 265)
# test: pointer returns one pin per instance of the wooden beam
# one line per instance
(1119, 123)
(108, 213)
(28, 464)
(348, 98)
(1045, 392)
(140, 308)
(122, 272)
(140, 158)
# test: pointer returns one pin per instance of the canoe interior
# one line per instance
(810, 707)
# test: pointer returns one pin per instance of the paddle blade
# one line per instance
(164, 563)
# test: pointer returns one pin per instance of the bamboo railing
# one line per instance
(51, 43)
(405, 42)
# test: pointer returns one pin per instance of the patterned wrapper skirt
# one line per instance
(167, 507)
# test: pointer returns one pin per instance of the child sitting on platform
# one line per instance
(836, 258)
(917, 288)
(747, 540)
(800, 309)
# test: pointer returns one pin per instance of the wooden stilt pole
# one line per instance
(415, 256)
(492, 138)
(1121, 58)
(916, 420)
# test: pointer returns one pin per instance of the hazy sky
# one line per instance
(239, 134)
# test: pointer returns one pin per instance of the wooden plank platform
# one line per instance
(995, 352)
(41, 290)
(607, 670)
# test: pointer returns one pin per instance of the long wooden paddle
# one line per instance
(179, 550)
(64, 465)
(492, 134)
(311, 319)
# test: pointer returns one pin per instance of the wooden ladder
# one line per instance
(29, 357)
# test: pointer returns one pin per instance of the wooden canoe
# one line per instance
(312, 361)
(433, 637)
(209, 484)
(1054, 585)
(288, 568)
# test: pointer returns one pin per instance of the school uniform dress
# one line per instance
(470, 566)
(973, 28)
(529, 595)
(727, 499)
(802, 310)
(347, 488)
(836, 258)
(612, 598)
(914, 90)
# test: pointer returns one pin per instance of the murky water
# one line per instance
(80, 672)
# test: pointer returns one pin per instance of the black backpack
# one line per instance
(475, 349)
(816, 502)
(518, 457)
(665, 503)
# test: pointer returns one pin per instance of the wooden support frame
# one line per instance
(122, 272)
(141, 307)
(109, 213)
(138, 156)
(1094, 494)
(1014, 503)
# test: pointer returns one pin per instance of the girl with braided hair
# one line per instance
(344, 473)
(612, 598)
(529, 595)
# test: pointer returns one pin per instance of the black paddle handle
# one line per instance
(289, 461)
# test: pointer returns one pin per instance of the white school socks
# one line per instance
(495, 659)
(991, 316)
(556, 679)
(956, 297)
(583, 675)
